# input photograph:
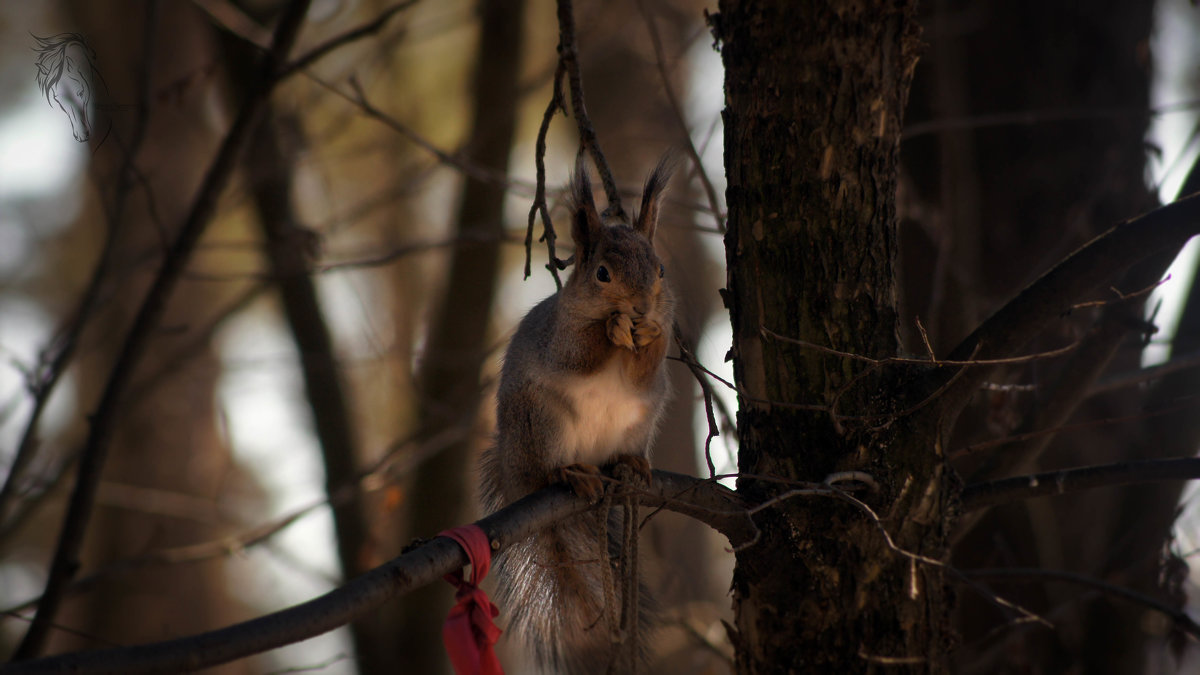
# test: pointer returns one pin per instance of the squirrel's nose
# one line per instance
(641, 308)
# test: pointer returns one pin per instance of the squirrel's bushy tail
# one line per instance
(556, 594)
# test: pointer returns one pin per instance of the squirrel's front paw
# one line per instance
(585, 480)
(620, 331)
(645, 331)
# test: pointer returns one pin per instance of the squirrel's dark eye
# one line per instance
(602, 274)
(662, 271)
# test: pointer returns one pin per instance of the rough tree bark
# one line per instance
(812, 125)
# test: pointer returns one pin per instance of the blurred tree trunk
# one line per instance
(458, 340)
(998, 204)
(167, 467)
(812, 128)
(290, 250)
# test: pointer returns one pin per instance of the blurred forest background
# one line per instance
(321, 381)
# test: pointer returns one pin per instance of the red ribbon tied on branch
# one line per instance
(469, 634)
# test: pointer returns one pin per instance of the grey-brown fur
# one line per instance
(602, 343)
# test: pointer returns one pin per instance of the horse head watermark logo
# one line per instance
(66, 76)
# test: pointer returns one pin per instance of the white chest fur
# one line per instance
(608, 412)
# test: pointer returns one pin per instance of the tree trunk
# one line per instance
(815, 94)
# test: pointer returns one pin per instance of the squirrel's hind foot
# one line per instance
(585, 480)
(632, 467)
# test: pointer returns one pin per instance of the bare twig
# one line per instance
(56, 357)
(1052, 483)
(483, 174)
(90, 637)
(685, 355)
(698, 369)
(1141, 375)
(1122, 297)
(660, 60)
(568, 54)
(539, 199)
(1033, 117)
(357, 33)
(197, 344)
(65, 561)
(1190, 402)
(230, 17)
(402, 250)
(897, 360)
(190, 553)
(1179, 617)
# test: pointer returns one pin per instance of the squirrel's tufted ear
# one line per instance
(586, 227)
(647, 217)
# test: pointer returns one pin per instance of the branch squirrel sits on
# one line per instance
(582, 386)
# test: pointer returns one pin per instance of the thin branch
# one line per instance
(352, 35)
(1122, 297)
(568, 54)
(236, 22)
(1191, 402)
(41, 383)
(897, 360)
(1053, 483)
(482, 174)
(198, 343)
(1129, 379)
(426, 564)
(1053, 294)
(685, 355)
(403, 250)
(661, 61)
(360, 99)
(539, 199)
(717, 402)
(91, 464)
(1180, 618)
(1034, 117)
(193, 553)
(94, 639)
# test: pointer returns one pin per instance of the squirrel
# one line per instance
(582, 386)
